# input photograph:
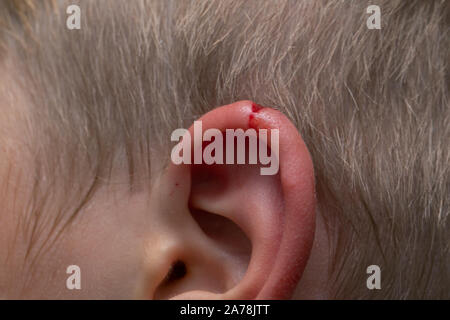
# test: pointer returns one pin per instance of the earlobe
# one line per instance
(276, 212)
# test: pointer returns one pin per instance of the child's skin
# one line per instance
(370, 105)
(125, 243)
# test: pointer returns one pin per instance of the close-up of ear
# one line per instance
(227, 231)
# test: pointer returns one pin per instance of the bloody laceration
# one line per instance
(256, 107)
(252, 121)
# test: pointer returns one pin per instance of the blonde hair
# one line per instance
(371, 105)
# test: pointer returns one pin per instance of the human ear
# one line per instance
(226, 231)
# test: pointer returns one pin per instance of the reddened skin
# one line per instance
(235, 233)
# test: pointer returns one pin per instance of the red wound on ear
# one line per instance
(252, 121)
(256, 107)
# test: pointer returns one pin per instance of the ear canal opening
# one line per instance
(193, 275)
(227, 235)
(177, 271)
(176, 274)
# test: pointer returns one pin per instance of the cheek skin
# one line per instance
(109, 244)
(7, 259)
(106, 240)
(12, 241)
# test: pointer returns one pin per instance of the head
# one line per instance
(86, 176)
